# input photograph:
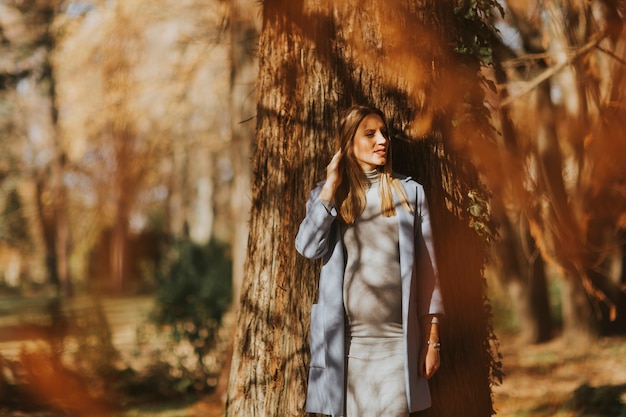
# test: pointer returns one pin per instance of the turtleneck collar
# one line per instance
(372, 176)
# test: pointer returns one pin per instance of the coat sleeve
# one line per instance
(429, 293)
(312, 240)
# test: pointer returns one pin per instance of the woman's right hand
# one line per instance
(333, 178)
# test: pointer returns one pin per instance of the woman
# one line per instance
(374, 330)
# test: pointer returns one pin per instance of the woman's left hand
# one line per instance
(429, 361)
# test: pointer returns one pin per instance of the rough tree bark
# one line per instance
(316, 58)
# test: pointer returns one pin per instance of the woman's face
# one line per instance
(370, 144)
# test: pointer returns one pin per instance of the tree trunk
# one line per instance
(525, 279)
(59, 191)
(54, 223)
(245, 27)
(316, 58)
(564, 233)
(521, 271)
(119, 50)
(268, 371)
(48, 232)
(579, 320)
(538, 301)
(61, 228)
(119, 240)
(621, 237)
(59, 246)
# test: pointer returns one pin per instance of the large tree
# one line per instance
(406, 58)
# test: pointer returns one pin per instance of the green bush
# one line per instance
(603, 401)
(194, 290)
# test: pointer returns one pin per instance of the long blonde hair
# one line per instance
(350, 196)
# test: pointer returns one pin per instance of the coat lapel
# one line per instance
(417, 388)
(406, 245)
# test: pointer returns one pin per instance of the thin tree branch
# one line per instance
(612, 55)
(524, 60)
(531, 85)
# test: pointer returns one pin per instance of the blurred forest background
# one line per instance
(126, 138)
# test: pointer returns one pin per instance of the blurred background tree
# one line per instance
(558, 190)
(120, 177)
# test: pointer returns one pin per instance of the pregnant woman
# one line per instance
(374, 330)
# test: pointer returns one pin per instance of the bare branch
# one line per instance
(612, 55)
(532, 84)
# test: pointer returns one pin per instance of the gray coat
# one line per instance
(319, 237)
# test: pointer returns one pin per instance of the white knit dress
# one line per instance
(375, 384)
